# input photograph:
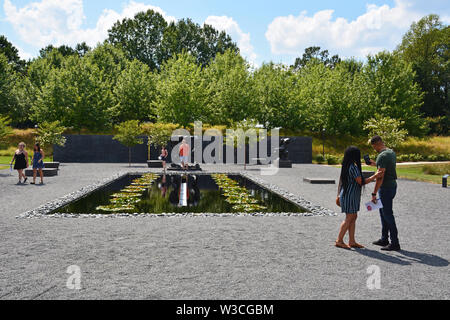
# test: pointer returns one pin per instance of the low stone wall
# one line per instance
(104, 149)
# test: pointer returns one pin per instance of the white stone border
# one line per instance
(45, 210)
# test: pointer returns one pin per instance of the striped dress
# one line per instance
(351, 200)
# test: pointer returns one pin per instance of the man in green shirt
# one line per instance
(386, 186)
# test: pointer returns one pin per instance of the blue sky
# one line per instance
(264, 30)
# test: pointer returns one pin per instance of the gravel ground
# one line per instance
(220, 257)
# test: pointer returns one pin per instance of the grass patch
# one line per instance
(5, 160)
(426, 173)
(438, 170)
(424, 146)
(3, 167)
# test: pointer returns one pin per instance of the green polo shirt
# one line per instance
(387, 159)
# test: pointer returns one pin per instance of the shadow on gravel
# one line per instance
(424, 258)
(381, 256)
(406, 258)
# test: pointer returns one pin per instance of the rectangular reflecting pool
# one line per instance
(175, 193)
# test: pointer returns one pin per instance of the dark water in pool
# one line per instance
(163, 197)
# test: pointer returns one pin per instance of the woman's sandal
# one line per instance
(342, 245)
(357, 246)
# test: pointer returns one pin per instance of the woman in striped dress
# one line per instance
(349, 195)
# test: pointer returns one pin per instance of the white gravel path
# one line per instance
(220, 258)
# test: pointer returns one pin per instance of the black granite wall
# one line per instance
(103, 149)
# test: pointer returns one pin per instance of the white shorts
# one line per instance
(184, 159)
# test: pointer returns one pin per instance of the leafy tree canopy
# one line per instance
(150, 39)
(314, 54)
(12, 54)
(51, 133)
(427, 47)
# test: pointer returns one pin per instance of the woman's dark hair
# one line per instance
(38, 146)
(352, 156)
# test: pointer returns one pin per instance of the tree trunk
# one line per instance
(245, 157)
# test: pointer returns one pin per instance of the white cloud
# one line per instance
(231, 27)
(379, 28)
(24, 54)
(60, 22)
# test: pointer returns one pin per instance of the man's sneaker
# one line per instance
(392, 247)
(381, 243)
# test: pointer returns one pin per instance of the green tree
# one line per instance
(7, 79)
(389, 88)
(240, 139)
(134, 93)
(128, 134)
(328, 99)
(181, 92)
(40, 68)
(204, 43)
(229, 89)
(314, 54)
(50, 134)
(387, 128)
(64, 50)
(5, 130)
(273, 97)
(148, 38)
(140, 37)
(158, 134)
(81, 49)
(110, 61)
(23, 97)
(76, 95)
(427, 47)
(12, 55)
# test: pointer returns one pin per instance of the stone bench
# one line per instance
(48, 172)
(319, 181)
(52, 165)
(368, 174)
(155, 164)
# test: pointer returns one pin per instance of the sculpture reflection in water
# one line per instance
(185, 191)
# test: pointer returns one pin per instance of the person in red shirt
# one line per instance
(184, 154)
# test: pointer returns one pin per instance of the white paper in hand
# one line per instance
(370, 206)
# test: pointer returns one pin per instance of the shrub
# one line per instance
(331, 159)
(403, 158)
(415, 157)
(443, 157)
(320, 159)
(389, 129)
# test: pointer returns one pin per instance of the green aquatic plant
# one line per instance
(127, 199)
(236, 195)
